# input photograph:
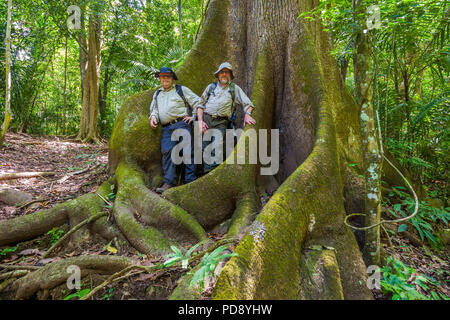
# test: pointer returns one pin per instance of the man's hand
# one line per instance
(248, 119)
(188, 119)
(153, 123)
(203, 126)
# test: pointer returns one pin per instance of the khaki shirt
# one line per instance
(170, 106)
(219, 103)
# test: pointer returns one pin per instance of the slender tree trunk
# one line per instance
(8, 112)
(103, 96)
(88, 130)
(372, 158)
(65, 90)
(180, 26)
(106, 79)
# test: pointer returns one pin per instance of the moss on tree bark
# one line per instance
(284, 64)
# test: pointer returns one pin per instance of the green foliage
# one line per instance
(108, 295)
(111, 196)
(137, 36)
(5, 251)
(410, 65)
(178, 255)
(208, 265)
(402, 281)
(424, 219)
(79, 294)
(55, 235)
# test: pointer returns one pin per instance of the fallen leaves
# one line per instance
(49, 154)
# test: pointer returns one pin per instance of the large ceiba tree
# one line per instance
(297, 246)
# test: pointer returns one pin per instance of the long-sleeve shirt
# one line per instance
(219, 102)
(169, 105)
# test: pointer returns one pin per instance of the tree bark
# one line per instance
(88, 130)
(372, 158)
(106, 79)
(8, 113)
(296, 246)
(180, 26)
(65, 89)
(283, 63)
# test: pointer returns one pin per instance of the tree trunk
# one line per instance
(284, 63)
(65, 89)
(8, 112)
(180, 26)
(106, 79)
(296, 246)
(88, 131)
(372, 157)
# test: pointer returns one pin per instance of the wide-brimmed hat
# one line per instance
(225, 65)
(166, 70)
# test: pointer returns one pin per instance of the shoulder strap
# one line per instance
(155, 97)
(233, 96)
(212, 87)
(233, 91)
(179, 89)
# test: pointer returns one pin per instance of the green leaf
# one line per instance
(189, 252)
(176, 250)
(228, 255)
(402, 228)
(217, 251)
(171, 261)
(435, 296)
(79, 294)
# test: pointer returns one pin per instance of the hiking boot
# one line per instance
(163, 188)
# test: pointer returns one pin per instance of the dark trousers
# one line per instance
(169, 168)
(222, 126)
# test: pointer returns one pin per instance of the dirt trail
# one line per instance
(25, 153)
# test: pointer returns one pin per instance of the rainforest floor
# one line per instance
(81, 168)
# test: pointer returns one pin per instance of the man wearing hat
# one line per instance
(172, 106)
(218, 107)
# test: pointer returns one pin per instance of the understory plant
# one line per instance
(208, 266)
(55, 234)
(403, 282)
(425, 219)
(178, 255)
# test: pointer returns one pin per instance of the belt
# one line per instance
(173, 121)
(217, 117)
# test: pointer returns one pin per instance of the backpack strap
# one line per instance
(179, 90)
(233, 105)
(155, 97)
(212, 87)
(232, 91)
